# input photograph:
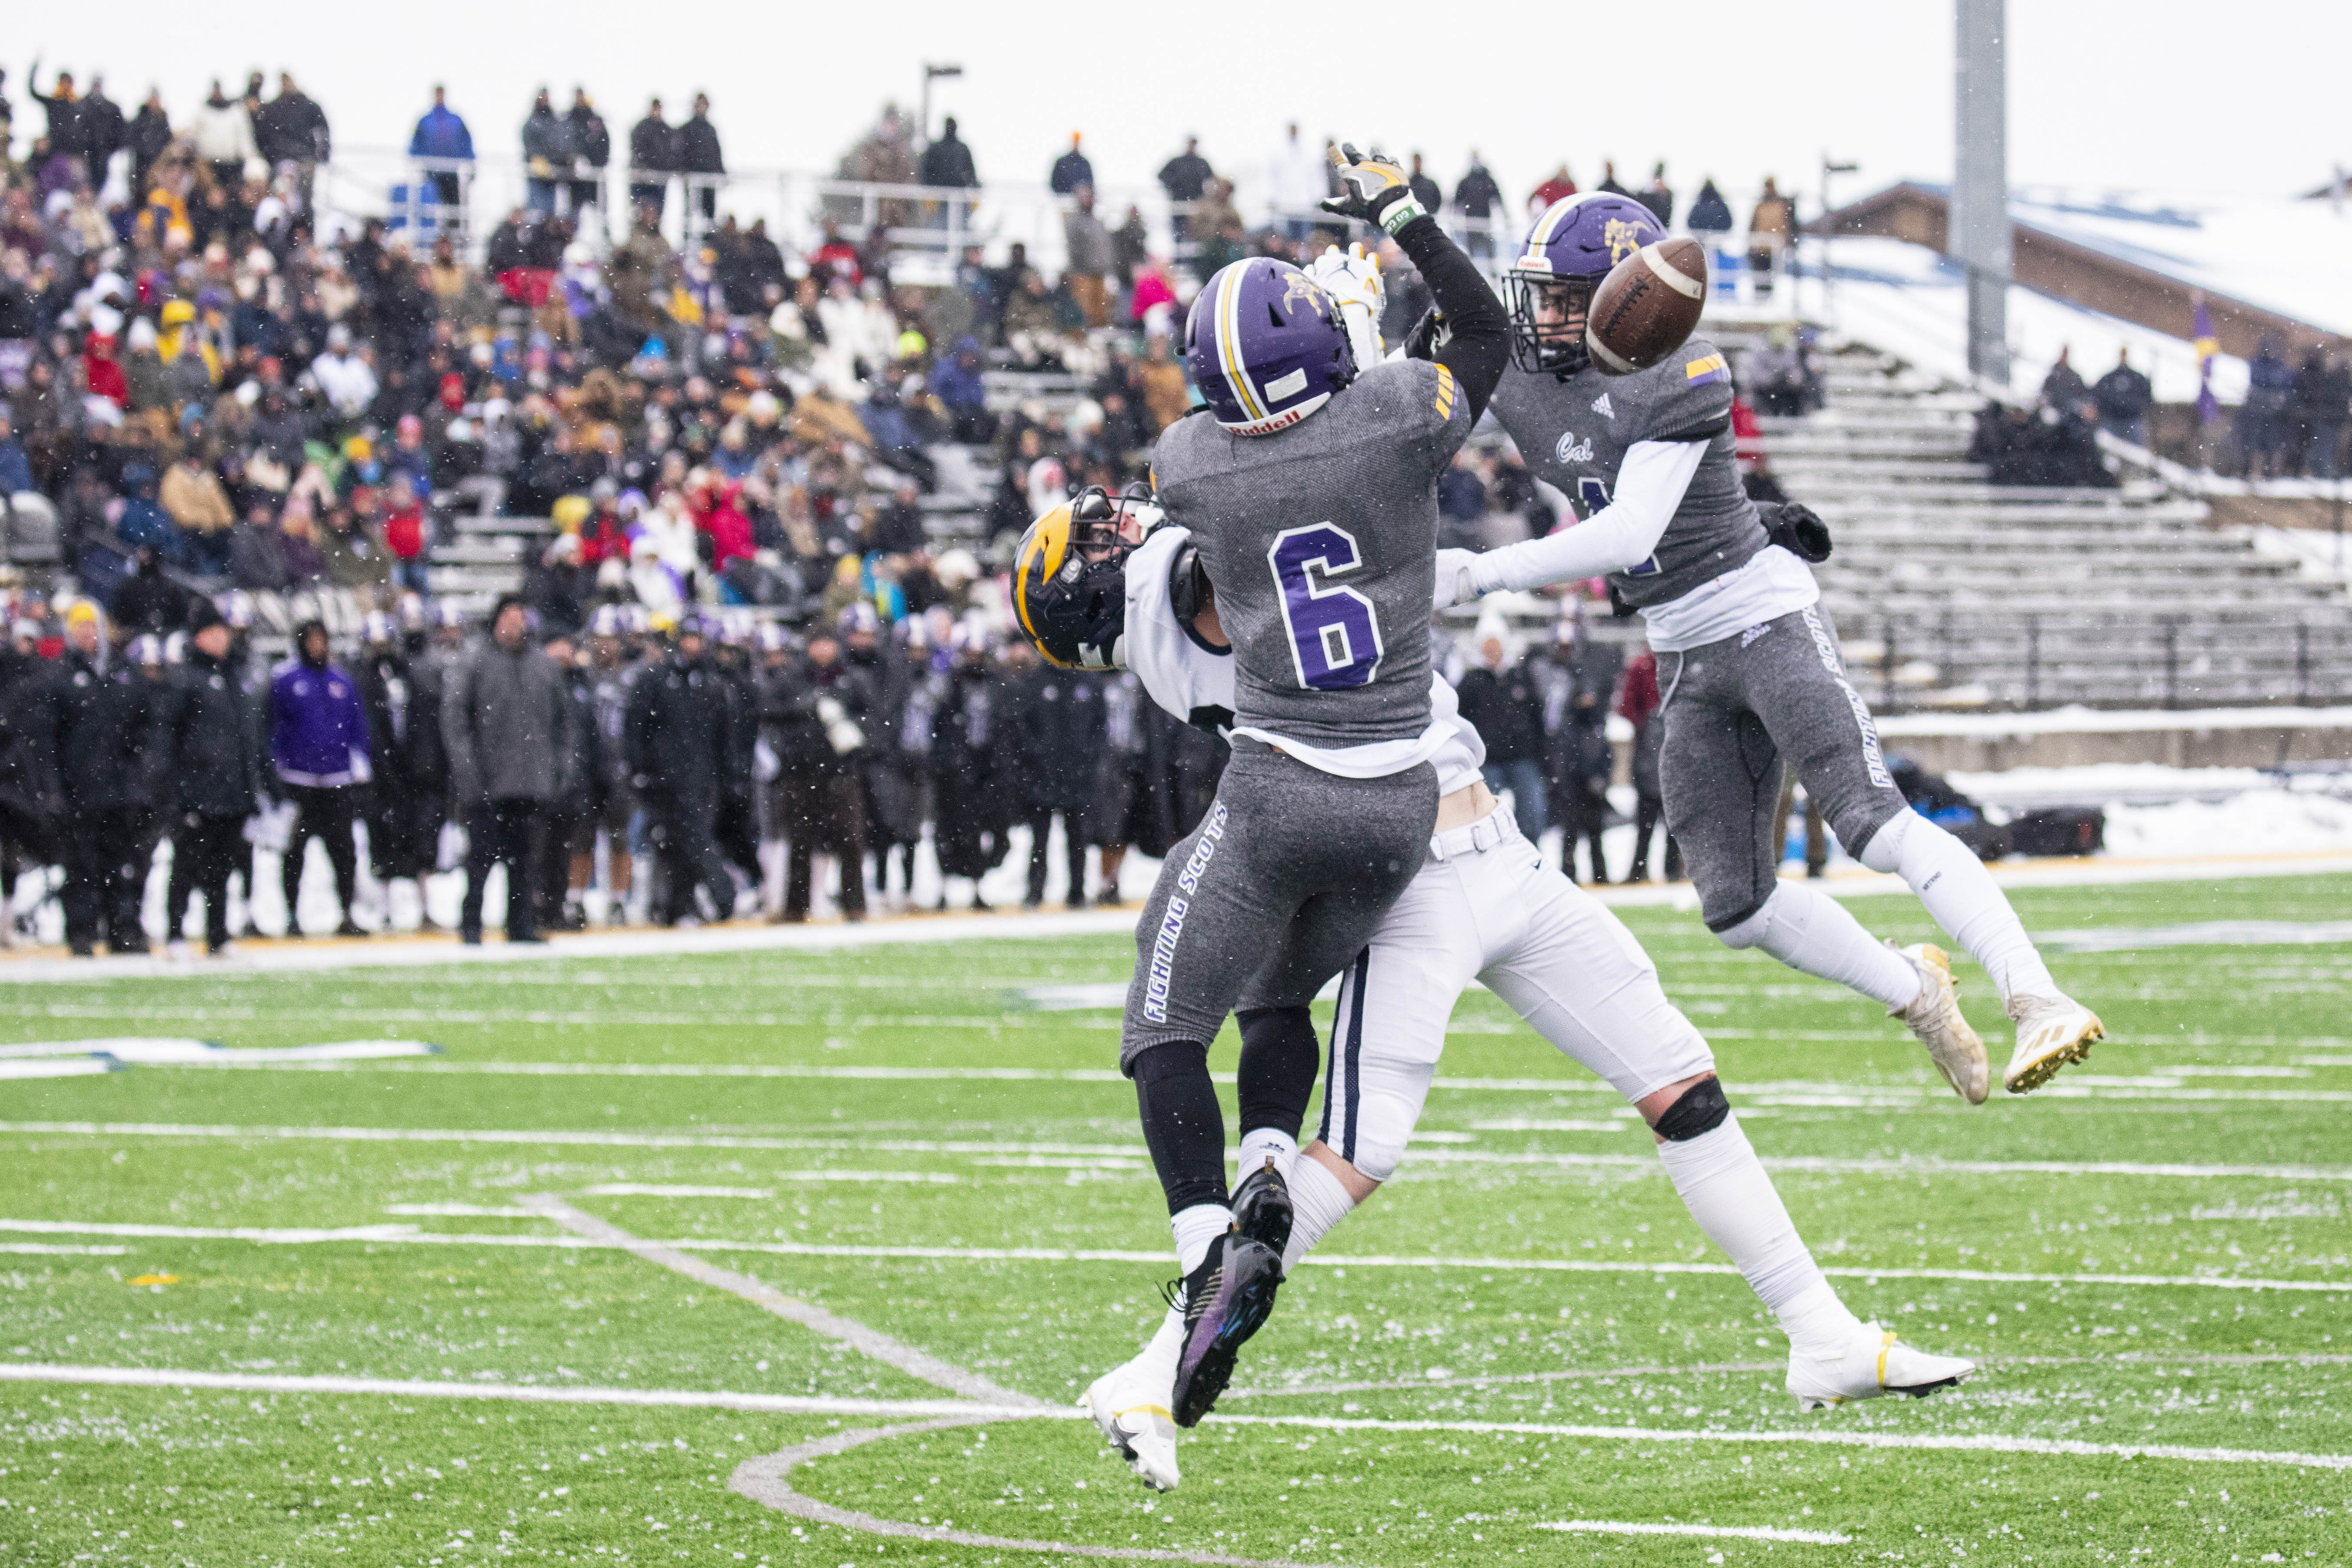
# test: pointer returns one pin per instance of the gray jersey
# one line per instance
(1321, 543)
(1575, 433)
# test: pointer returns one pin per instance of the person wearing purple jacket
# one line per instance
(318, 743)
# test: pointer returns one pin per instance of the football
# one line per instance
(1647, 306)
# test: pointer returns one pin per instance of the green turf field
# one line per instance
(2152, 1260)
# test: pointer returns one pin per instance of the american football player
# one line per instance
(1749, 664)
(1481, 904)
(1308, 483)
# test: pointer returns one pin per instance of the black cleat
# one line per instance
(1261, 1206)
(1226, 1300)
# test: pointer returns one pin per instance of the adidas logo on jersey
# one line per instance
(1601, 407)
(1571, 450)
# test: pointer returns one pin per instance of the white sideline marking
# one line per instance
(557, 1137)
(871, 1341)
(56, 1067)
(2196, 933)
(62, 1249)
(408, 1235)
(461, 1211)
(204, 1053)
(662, 1190)
(526, 1393)
(1829, 1437)
(1734, 1532)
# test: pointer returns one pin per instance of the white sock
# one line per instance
(1812, 932)
(1158, 1360)
(1317, 1202)
(1194, 1228)
(1260, 1142)
(1724, 1185)
(1964, 899)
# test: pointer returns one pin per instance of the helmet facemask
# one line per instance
(1547, 317)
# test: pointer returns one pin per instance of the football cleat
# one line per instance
(2052, 1031)
(1934, 1015)
(1261, 1206)
(1133, 1418)
(1226, 1300)
(1872, 1363)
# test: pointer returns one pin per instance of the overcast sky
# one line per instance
(2155, 94)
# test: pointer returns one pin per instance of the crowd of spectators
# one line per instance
(736, 642)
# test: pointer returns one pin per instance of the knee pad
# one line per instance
(1383, 1126)
(1701, 1109)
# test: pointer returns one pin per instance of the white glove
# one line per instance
(840, 729)
(1457, 577)
(1352, 279)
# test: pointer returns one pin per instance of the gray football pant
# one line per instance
(1734, 710)
(1283, 883)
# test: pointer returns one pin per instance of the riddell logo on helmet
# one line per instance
(1267, 426)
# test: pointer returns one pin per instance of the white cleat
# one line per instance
(2052, 1031)
(1874, 1362)
(1135, 1420)
(1934, 1015)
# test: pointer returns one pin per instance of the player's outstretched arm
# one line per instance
(1650, 485)
(1478, 342)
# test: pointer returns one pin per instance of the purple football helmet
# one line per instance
(1265, 346)
(1550, 284)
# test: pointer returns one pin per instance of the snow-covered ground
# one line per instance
(1907, 301)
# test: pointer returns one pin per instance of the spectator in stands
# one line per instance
(1637, 704)
(2123, 395)
(957, 381)
(222, 135)
(1295, 183)
(1216, 228)
(292, 128)
(1090, 259)
(1460, 503)
(2322, 388)
(15, 469)
(2264, 418)
(441, 136)
(66, 141)
(591, 150)
(1709, 213)
(1558, 186)
(505, 723)
(1609, 186)
(1778, 375)
(1770, 227)
(1502, 700)
(546, 153)
(1182, 179)
(1478, 196)
(1071, 170)
(653, 159)
(1424, 189)
(1577, 760)
(150, 137)
(1659, 196)
(319, 743)
(698, 156)
(947, 163)
(2063, 387)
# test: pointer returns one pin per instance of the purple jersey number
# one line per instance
(1595, 495)
(1335, 637)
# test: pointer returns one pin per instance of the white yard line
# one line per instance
(406, 1235)
(62, 1249)
(1730, 1532)
(869, 1341)
(524, 1393)
(563, 1137)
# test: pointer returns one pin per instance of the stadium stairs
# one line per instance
(1952, 592)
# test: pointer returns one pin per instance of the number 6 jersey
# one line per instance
(1321, 541)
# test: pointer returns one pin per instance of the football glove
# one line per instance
(1426, 336)
(1373, 189)
(1352, 279)
(1794, 527)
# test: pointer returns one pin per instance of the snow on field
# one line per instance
(2160, 813)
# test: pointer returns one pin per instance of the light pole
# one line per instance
(1828, 275)
(931, 74)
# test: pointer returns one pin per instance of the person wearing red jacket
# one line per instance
(103, 371)
(712, 501)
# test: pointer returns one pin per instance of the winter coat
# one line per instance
(676, 738)
(28, 740)
(317, 729)
(652, 147)
(404, 717)
(547, 147)
(507, 721)
(1506, 708)
(441, 134)
(697, 147)
(200, 750)
(224, 132)
(1053, 733)
(591, 142)
(102, 717)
